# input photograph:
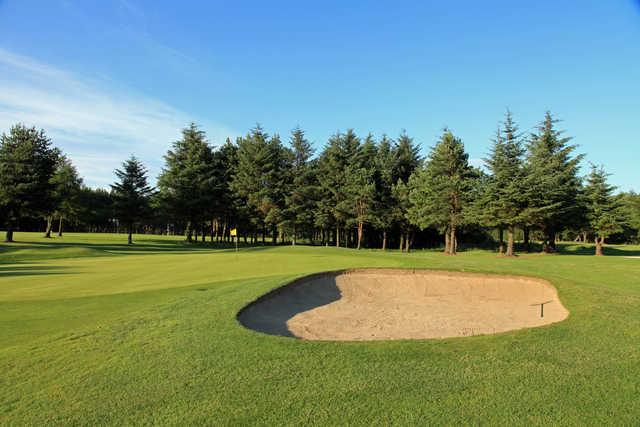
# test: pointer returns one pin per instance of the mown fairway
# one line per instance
(93, 332)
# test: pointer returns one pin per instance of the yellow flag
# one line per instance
(234, 232)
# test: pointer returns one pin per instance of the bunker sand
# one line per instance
(387, 304)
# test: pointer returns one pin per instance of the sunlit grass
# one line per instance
(95, 332)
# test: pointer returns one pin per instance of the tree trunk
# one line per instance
(402, 241)
(550, 242)
(384, 240)
(501, 241)
(360, 233)
(510, 244)
(130, 231)
(453, 242)
(525, 239)
(447, 243)
(337, 236)
(274, 236)
(293, 236)
(599, 243)
(60, 227)
(407, 242)
(9, 236)
(189, 232)
(47, 233)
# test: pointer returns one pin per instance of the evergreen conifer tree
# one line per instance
(603, 211)
(502, 202)
(551, 182)
(301, 200)
(27, 163)
(187, 184)
(440, 192)
(131, 194)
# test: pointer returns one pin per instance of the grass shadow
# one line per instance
(589, 250)
(30, 270)
(22, 251)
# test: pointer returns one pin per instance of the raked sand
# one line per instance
(387, 304)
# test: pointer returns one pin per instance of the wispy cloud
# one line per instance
(97, 123)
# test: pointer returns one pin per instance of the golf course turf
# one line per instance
(95, 332)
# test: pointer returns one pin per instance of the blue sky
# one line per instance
(109, 78)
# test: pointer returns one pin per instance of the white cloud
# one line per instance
(95, 123)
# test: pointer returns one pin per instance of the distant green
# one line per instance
(94, 332)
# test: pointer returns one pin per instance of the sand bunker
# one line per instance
(384, 304)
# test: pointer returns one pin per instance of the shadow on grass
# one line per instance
(269, 313)
(578, 249)
(47, 249)
(30, 270)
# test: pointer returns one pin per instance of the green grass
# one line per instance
(95, 332)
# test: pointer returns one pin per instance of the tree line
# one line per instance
(357, 192)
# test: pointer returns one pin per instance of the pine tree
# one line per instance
(501, 204)
(360, 203)
(232, 209)
(439, 193)
(262, 177)
(603, 210)
(551, 182)
(385, 162)
(188, 187)
(630, 207)
(67, 185)
(407, 160)
(340, 154)
(131, 194)
(301, 200)
(27, 164)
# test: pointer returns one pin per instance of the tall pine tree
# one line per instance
(131, 194)
(603, 210)
(301, 199)
(187, 184)
(551, 182)
(502, 202)
(439, 193)
(66, 193)
(27, 163)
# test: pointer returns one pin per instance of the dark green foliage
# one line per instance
(551, 183)
(300, 201)
(407, 156)
(604, 215)
(131, 194)
(27, 164)
(339, 157)
(95, 209)
(440, 192)
(66, 194)
(263, 177)
(385, 162)
(630, 207)
(502, 201)
(364, 193)
(188, 186)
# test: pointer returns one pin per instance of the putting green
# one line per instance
(94, 332)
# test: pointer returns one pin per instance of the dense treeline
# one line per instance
(357, 192)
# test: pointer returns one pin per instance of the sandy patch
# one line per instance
(384, 304)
